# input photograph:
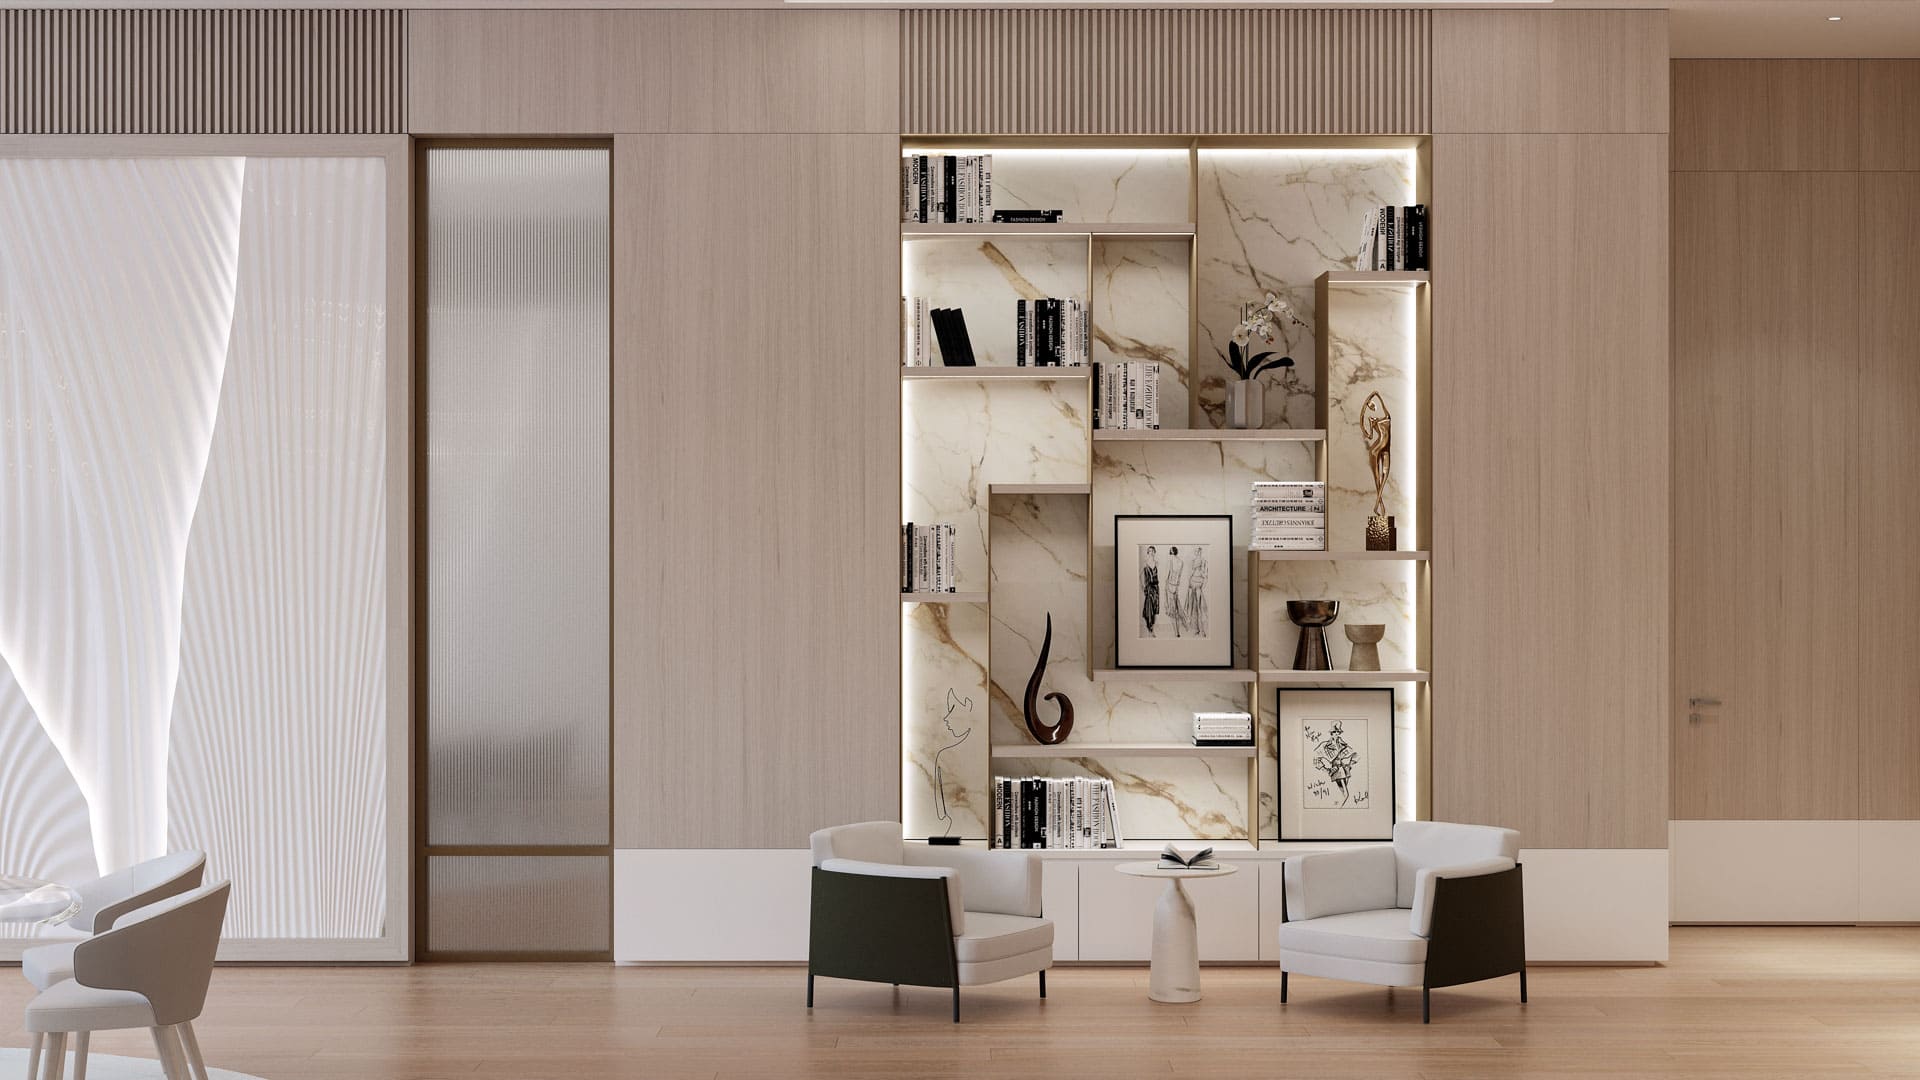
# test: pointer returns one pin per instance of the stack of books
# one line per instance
(1054, 812)
(1222, 729)
(1027, 217)
(931, 328)
(1050, 333)
(927, 562)
(1396, 239)
(945, 187)
(1126, 395)
(1289, 515)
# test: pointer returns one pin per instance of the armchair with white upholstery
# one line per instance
(889, 911)
(1441, 906)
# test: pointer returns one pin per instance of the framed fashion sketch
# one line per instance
(1173, 591)
(1336, 763)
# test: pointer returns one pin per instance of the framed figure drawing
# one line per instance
(1173, 591)
(1336, 763)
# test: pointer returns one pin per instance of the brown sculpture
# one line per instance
(1042, 733)
(1376, 427)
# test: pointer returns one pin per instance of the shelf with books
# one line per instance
(1109, 750)
(943, 598)
(1290, 677)
(913, 230)
(1209, 435)
(1377, 277)
(1173, 675)
(1344, 556)
(998, 371)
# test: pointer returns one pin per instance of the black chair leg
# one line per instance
(1283, 987)
(956, 1004)
(1426, 1005)
(809, 989)
(1043, 985)
(1523, 985)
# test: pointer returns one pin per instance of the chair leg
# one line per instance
(956, 1004)
(809, 989)
(80, 1056)
(1283, 986)
(33, 1056)
(168, 1048)
(56, 1055)
(1523, 984)
(191, 1043)
(1426, 1005)
(1043, 985)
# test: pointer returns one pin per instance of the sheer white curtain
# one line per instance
(192, 530)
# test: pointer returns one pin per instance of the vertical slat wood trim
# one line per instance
(187, 72)
(1148, 72)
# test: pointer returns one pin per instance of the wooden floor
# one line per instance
(1759, 1002)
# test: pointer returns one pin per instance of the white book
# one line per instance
(1151, 373)
(1318, 544)
(986, 187)
(1290, 521)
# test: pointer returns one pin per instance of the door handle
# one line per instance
(1696, 704)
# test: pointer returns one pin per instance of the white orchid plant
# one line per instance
(1262, 322)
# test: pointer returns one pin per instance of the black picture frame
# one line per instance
(1287, 790)
(1123, 570)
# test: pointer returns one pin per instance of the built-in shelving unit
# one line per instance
(1019, 451)
(1005, 751)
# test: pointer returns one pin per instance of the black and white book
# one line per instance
(1172, 859)
(946, 188)
(1072, 812)
(1396, 239)
(1025, 217)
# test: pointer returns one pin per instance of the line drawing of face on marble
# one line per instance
(1334, 766)
(1173, 596)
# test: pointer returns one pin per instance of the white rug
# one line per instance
(13, 1062)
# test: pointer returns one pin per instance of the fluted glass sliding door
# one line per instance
(516, 262)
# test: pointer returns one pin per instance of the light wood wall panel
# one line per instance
(1107, 71)
(1766, 114)
(1890, 114)
(1767, 615)
(1885, 431)
(81, 72)
(588, 72)
(756, 488)
(1550, 71)
(1550, 392)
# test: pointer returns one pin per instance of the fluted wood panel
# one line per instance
(202, 72)
(1103, 71)
(1550, 474)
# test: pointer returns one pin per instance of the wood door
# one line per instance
(1766, 374)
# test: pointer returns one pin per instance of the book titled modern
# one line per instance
(1054, 812)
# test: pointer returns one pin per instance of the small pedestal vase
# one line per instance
(1366, 645)
(1246, 404)
(1312, 617)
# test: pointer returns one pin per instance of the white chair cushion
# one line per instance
(869, 841)
(1421, 921)
(1007, 882)
(1381, 935)
(1421, 845)
(45, 965)
(1336, 882)
(68, 1006)
(992, 936)
(956, 905)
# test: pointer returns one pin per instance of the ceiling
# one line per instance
(1794, 27)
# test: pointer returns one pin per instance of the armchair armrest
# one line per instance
(956, 910)
(1337, 882)
(1423, 886)
(1000, 881)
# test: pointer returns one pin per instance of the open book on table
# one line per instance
(1171, 859)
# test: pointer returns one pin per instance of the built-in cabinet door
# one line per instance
(1767, 594)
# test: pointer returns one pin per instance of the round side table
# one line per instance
(1175, 973)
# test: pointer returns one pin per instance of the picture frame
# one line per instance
(1335, 751)
(1173, 587)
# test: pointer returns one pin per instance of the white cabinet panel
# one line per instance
(1596, 904)
(1890, 871)
(1766, 871)
(708, 905)
(1116, 914)
(1060, 901)
(1270, 910)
